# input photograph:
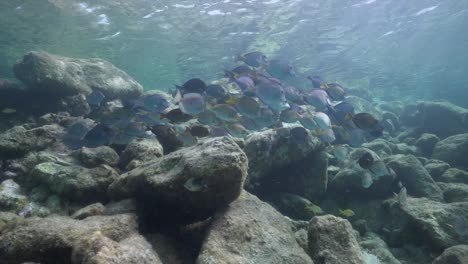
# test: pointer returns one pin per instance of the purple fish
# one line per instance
(192, 104)
(318, 98)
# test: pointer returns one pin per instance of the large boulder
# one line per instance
(453, 255)
(454, 192)
(454, 175)
(250, 231)
(139, 151)
(280, 162)
(436, 168)
(18, 140)
(62, 76)
(75, 182)
(415, 177)
(426, 143)
(192, 181)
(52, 239)
(442, 118)
(436, 221)
(332, 240)
(99, 249)
(453, 150)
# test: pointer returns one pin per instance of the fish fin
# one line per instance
(232, 100)
(324, 86)
(349, 116)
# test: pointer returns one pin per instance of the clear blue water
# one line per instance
(397, 48)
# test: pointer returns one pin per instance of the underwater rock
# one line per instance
(453, 150)
(414, 177)
(454, 175)
(76, 105)
(39, 193)
(18, 140)
(191, 182)
(453, 255)
(380, 146)
(454, 192)
(281, 162)
(61, 118)
(436, 168)
(62, 76)
(372, 243)
(89, 210)
(51, 239)
(332, 240)
(93, 157)
(11, 197)
(171, 250)
(121, 207)
(426, 143)
(405, 149)
(167, 136)
(97, 249)
(442, 118)
(140, 151)
(296, 207)
(436, 220)
(349, 179)
(250, 231)
(363, 106)
(74, 182)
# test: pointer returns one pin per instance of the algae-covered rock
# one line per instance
(18, 140)
(92, 157)
(11, 197)
(436, 168)
(250, 231)
(454, 192)
(51, 239)
(415, 177)
(191, 181)
(139, 151)
(89, 210)
(99, 249)
(62, 76)
(332, 240)
(75, 182)
(121, 207)
(453, 150)
(453, 255)
(76, 105)
(296, 207)
(374, 244)
(280, 162)
(426, 143)
(442, 118)
(454, 175)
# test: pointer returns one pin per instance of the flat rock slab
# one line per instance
(250, 231)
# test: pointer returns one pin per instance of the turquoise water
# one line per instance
(397, 48)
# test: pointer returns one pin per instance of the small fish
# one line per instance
(216, 91)
(154, 103)
(307, 120)
(187, 139)
(199, 131)
(266, 117)
(379, 168)
(403, 196)
(75, 134)
(347, 213)
(317, 82)
(280, 68)
(341, 152)
(218, 132)
(95, 98)
(293, 94)
(357, 137)
(335, 91)
(326, 135)
(249, 123)
(299, 134)
(322, 120)
(100, 135)
(149, 119)
(366, 180)
(318, 98)
(243, 70)
(289, 116)
(254, 59)
(225, 112)
(342, 112)
(192, 104)
(195, 184)
(272, 94)
(248, 106)
(237, 130)
(192, 86)
(366, 122)
(8, 111)
(207, 118)
(366, 160)
(176, 116)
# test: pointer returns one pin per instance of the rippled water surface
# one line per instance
(417, 49)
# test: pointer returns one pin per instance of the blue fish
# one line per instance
(95, 98)
(154, 103)
(100, 135)
(192, 104)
